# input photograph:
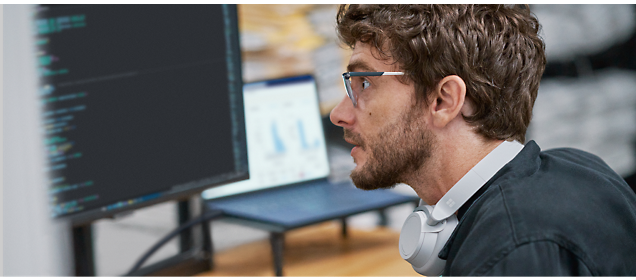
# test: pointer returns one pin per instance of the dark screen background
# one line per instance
(141, 101)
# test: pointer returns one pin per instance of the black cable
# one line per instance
(207, 216)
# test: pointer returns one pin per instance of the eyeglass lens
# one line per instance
(353, 85)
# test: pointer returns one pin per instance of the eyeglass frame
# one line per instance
(346, 77)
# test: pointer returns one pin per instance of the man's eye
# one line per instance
(365, 84)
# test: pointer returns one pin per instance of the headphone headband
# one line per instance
(427, 229)
(474, 180)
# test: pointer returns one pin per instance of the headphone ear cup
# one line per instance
(421, 243)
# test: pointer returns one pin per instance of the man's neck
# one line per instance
(451, 160)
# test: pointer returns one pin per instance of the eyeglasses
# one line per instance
(357, 85)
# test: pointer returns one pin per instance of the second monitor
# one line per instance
(285, 139)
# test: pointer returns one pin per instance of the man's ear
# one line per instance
(448, 100)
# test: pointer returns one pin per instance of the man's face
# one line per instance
(387, 126)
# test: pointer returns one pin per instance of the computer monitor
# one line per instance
(141, 104)
(285, 137)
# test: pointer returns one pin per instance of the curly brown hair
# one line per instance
(495, 49)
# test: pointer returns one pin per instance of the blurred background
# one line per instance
(587, 100)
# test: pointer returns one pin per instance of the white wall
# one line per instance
(33, 244)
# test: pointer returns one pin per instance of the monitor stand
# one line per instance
(190, 260)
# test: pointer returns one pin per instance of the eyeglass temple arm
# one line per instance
(354, 74)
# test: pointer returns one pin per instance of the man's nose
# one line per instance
(342, 115)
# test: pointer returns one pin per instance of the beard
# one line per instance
(397, 151)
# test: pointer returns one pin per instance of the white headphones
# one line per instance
(427, 229)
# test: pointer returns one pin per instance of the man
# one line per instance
(444, 87)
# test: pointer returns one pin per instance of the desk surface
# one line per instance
(319, 250)
(290, 207)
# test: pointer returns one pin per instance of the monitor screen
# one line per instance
(140, 104)
(285, 137)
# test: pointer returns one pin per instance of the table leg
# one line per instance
(344, 227)
(384, 221)
(277, 240)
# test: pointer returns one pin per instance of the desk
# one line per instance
(305, 205)
(319, 250)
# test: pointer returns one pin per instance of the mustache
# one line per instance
(353, 137)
